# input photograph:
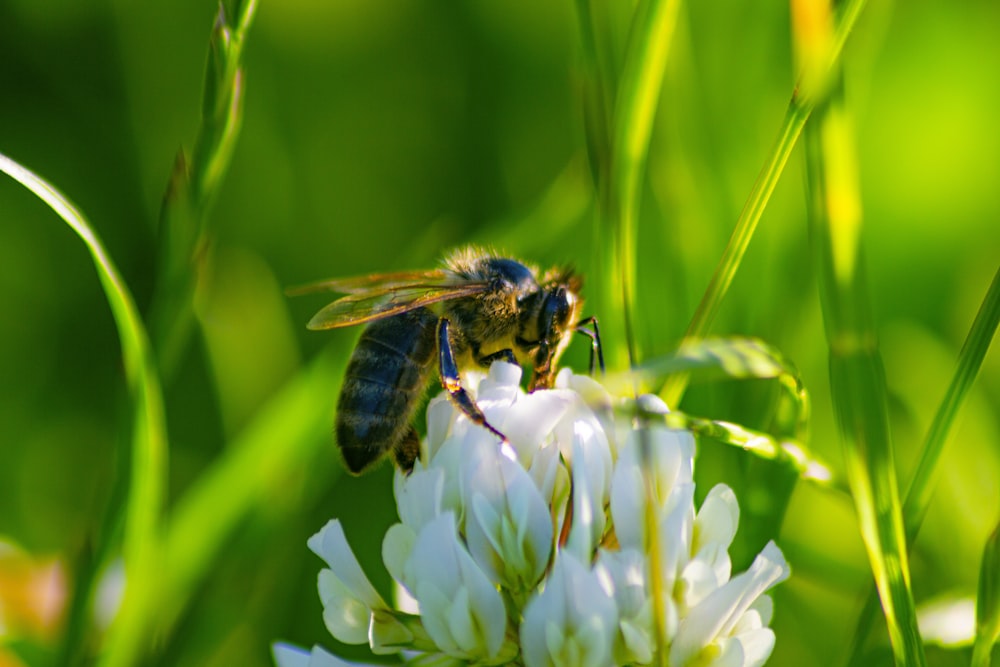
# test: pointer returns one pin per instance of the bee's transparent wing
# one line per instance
(374, 282)
(386, 301)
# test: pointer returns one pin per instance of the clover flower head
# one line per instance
(575, 542)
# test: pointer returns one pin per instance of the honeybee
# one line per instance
(478, 308)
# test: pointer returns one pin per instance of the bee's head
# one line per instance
(548, 316)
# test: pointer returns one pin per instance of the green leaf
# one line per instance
(148, 453)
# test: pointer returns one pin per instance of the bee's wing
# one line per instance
(383, 302)
(373, 282)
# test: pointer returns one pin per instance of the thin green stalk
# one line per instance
(634, 113)
(970, 360)
(857, 376)
(193, 186)
(799, 109)
(148, 450)
(598, 93)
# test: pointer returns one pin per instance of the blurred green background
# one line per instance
(378, 135)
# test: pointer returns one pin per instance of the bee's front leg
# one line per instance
(588, 327)
(506, 354)
(452, 380)
(542, 376)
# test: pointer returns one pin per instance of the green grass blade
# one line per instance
(796, 115)
(637, 98)
(970, 360)
(789, 452)
(732, 357)
(222, 103)
(148, 454)
(632, 125)
(278, 446)
(193, 186)
(857, 376)
(988, 602)
(598, 91)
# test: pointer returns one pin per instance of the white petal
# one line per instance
(544, 470)
(331, 545)
(289, 656)
(508, 527)
(596, 397)
(441, 415)
(419, 497)
(579, 425)
(757, 646)
(717, 519)
(292, 656)
(589, 474)
(572, 621)
(435, 620)
(623, 574)
(669, 468)
(348, 597)
(675, 529)
(448, 582)
(449, 459)
(346, 616)
(397, 545)
(730, 654)
(716, 615)
(502, 382)
(764, 606)
(530, 420)
(636, 644)
(699, 581)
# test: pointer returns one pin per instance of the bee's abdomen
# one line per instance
(382, 385)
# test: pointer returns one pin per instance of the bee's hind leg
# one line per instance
(452, 381)
(407, 450)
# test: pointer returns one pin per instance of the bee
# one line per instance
(478, 308)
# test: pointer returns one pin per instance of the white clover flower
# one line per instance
(539, 551)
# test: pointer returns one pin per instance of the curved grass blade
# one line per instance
(988, 602)
(148, 453)
(799, 109)
(735, 357)
(193, 187)
(857, 376)
(792, 453)
(970, 360)
(632, 125)
(598, 87)
(743, 358)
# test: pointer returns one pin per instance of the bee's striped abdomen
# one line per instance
(382, 386)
